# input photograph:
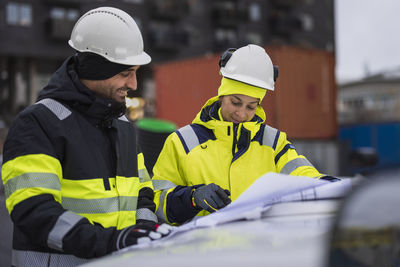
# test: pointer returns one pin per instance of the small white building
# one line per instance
(375, 98)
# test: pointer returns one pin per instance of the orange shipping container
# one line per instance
(302, 105)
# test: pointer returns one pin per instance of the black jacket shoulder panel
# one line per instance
(29, 133)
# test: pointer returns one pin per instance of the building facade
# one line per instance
(373, 99)
(34, 34)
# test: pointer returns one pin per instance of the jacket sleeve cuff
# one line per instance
(146, 199)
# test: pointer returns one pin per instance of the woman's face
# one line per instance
(238, 108)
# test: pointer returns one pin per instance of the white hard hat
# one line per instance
(249, 64)
(111, 33)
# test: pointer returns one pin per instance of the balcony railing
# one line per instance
(169, 9)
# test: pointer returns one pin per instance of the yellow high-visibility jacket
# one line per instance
(214, 151)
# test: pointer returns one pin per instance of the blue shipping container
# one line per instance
(383, 137)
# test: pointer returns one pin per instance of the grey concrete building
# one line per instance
(34, 34)
(373, 99)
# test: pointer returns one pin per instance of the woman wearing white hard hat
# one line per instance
(209, 163)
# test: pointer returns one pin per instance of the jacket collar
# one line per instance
(66, 87)
(209, 117)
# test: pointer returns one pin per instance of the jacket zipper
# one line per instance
(235, 127)
(234, 130)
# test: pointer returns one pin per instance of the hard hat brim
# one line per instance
(137, 60)
(249, 80)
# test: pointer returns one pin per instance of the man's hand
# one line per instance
(142, 233)
(211, 197)
(164, 229)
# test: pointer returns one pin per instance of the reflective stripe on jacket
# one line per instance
(110, 201)
(232, 156)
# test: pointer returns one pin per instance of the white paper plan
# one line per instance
(269, 189)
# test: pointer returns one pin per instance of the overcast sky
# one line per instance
(367, 37)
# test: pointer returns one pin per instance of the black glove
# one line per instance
(141, 233)
(135, 235)
(146, 224)
(211, 197)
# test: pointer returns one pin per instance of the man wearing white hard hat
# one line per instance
(209, 163)
(75, 181)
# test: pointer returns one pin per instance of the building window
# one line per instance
(255, 12)
(60, 13)
(254, 38)
(225, 38)
(307, 22)
(19, 14)
(61, 22)
(164, 36)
